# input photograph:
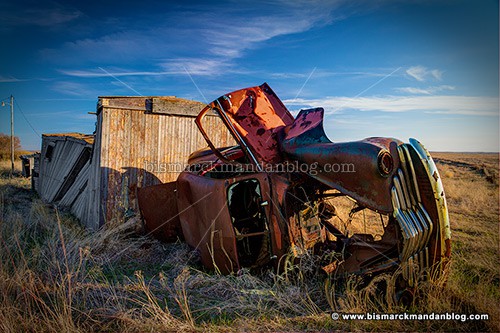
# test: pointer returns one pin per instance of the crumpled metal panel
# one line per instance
(257, 115)
(205, 220)
(350, 167)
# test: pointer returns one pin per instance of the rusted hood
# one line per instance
(362, 169)
(255, 115)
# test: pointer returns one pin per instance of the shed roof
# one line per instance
(87, 138)
(167, 105)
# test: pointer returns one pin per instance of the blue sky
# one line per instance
(423, 69)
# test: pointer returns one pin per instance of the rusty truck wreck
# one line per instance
(273, 193)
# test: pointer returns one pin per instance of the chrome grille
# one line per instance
(415, 223)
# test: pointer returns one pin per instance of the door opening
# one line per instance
(249, 222)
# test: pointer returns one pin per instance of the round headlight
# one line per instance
(385, 163)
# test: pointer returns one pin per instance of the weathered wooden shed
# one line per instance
(138, 142)
(63, 169)
(141, 141)
(35, 172)
(27, 164)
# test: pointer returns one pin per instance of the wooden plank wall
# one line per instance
(60, 179)
(77, 196)
(142, 141)
(35, 173)
(91, 211)
(55, 169)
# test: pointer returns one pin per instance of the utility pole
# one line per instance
(11, 136)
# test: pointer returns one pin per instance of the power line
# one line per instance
(26, 118)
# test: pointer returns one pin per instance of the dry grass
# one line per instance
(471, 185)
(54, 276)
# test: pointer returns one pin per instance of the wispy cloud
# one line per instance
(421, 73)
(196, 66)
(230, 42)
(443, 104)
(96, 73)
(43, 17)
(74, 89)
(9, 79)
(78, 114)
(320, 73)
(117, 80)
(425, 91)
(117, 47)
(203, 42)
(229, 37)
(200, 66)
(171, 67)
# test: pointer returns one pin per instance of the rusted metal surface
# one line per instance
(162, 223)
(205, 220)
(239, 212)
(350, 167)
(256, 116)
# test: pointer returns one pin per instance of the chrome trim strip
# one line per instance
(401, 222)
(423, 215)
(437, 188)
(410, 211)
(413, 218)
(401, 206)
(412, 171)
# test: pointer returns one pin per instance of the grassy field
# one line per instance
(56, 277)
